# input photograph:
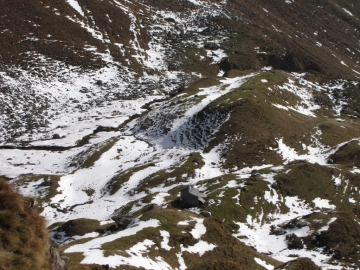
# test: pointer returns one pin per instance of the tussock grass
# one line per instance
(24, 242)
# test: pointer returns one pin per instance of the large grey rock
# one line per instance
(278, 231)
(122, 221)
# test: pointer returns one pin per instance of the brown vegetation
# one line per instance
(24, 242)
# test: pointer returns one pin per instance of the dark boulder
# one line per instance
(294, 242)
(211, 46)
(205, 213)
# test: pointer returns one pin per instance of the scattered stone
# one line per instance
(249, 183)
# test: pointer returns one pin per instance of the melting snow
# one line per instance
(264, 264)
(348, 12)
(199, 229)
(200, 247)
(323, 203)
(165, 242)
(75, 5)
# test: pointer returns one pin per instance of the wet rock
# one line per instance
(205, 213)
(169, 19)
(57, 262)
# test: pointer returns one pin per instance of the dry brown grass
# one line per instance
(24, 242)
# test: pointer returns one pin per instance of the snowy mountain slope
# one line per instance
(109, 107)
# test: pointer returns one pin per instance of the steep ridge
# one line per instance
(112, 107)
